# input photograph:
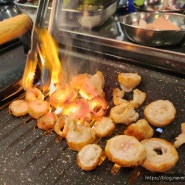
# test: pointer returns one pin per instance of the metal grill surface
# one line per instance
(30, 156)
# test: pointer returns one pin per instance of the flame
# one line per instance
(52, 88)
(82, 98)
(48, 51)
(58, 110)
(29, 71)
(98, 107)
(79, 109)
(62, 95)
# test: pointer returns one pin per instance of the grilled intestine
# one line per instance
(160, 113)
(136, 129)
(18, 108)
(161, 155)
(89, 157)
(81, 117)
(125, 151)
(180, 139)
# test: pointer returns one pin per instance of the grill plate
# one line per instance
(29, 156)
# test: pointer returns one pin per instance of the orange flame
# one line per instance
(83, 98)
(49, 56)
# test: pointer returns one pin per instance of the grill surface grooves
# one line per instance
(21, 137)
(30, 157)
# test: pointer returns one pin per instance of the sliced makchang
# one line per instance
(59, 125)
(65, 126)
(161, 155)
(180, 139)
(33, 93)
(78, 136)
(138, 98)
(160, 113)
(118, 95)
(98, 107)
(124, 113)
(47, 121)
(62, 95)
(125, 151)
(37, 108)
(18, 108)
(77, 109)
(89, 157)
(78, 80)
(104, 127)
(93, 86)
(141, 130)
(128, 81)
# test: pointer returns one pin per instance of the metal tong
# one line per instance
(33, 54)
